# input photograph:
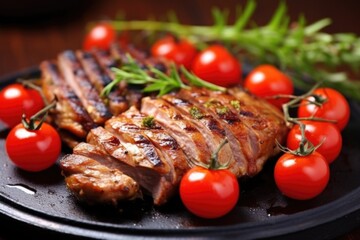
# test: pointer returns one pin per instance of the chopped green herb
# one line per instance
(235, 104)
(210, 103)
(222, 110)
(148, 122)
(196, 113)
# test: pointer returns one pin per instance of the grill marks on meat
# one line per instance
(245, 126)
(206, 124)
(171, 150)
(96, 183)
(121, 157)
(116, 101)
(189, 138)
(152, 178)
(157, 156)
(69, 114)
(77, 79)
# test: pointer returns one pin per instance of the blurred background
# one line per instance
(31, 31)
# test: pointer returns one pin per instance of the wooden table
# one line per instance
(40, 31)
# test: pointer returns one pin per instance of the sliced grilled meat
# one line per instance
(94, 183)
(77, 79)
(139, 167)
(183, 131)
(170, 149)
(249, 144)
(210, 127)
(69, 114)
(116, 101)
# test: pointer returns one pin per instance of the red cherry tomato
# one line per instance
(16, 100)
(266, 81)
(216, 65)
(101, 36)
(182, 52)
(209, 193)
(318, 132)
(301, 177)
(335, 108)
(33, 150)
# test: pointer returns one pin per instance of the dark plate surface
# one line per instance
(41, 201)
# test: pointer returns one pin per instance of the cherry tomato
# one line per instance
(16, 100)
(266, 81)
(216, 65)
(101, 36)
(182, 52)
(301, 177)
(33, 150)
(209, 193)
(324, 133)
(335, 107)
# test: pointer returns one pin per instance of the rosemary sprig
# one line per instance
(301, 49)
(155, 80)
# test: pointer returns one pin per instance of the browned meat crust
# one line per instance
(94, 182)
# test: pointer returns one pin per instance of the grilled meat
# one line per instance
(249, 143)
(126, 152)
(94, 182)
(77, 79)
(69, 114)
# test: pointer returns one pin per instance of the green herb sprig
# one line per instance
(306, 53)
(155, 80)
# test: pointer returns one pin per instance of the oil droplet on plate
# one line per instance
(23, 187)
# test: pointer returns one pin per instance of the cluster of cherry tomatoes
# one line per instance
(29, 149)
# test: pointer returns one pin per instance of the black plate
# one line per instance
(41, 202)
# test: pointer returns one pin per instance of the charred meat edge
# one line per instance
(150, 179)
(100, 78)
(77, 79)
(93, 181)
(210, 127)
(184, 132)
(69, 114)
(174, 155)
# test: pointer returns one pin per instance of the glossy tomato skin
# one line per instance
(209, 193)
(301, 177)
(217, 65)
(335, 108)
(182, 52)
(17, 100)
(101, 36)
(324, 133)
(33, 150)
(266, 80)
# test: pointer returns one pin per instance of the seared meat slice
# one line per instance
(69, 114)
(93, 70)
(183, 131)
(210, 127)
(99, 78)
(144, 153)
(170, 149)
(93, 182)
(119, 97)
(250, 146)
(148, 173)
(81, 85)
